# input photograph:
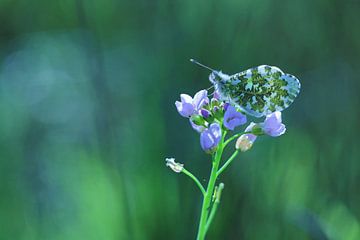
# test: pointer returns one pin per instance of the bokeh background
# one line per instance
(87, 117)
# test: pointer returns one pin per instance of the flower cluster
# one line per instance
(212, 117)
(209, 117)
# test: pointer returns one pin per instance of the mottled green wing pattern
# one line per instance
(261, 90)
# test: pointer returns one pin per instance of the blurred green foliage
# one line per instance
(87, 92)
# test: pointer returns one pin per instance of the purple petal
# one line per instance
(215, 130)
(184, 109)
(211, 137)
(233, 118)
(273, 126)
(200, 99)
(206, 140)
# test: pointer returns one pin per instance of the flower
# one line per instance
(244, 142)
(188, 105)
(176, 167)
(210, 137)
(185, 107)
(233, 118)
(272, 125)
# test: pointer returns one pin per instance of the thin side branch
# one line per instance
(227, 163)
(189, 174)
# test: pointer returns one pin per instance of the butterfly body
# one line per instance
(258, 91)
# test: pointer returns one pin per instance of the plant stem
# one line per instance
(209, 191)
(217, 196)
(233, 137)
(227, 163)
(202, 189)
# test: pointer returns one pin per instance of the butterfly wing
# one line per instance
(261, 90)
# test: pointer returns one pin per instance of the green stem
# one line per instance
(227, 163)
(209, 191)
(234, 137)
(189, 174)
(217, 196)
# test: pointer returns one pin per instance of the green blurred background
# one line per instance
(87, 117)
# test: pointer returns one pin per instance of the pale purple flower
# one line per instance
(188, 105)
(233, 118)
(185, 107)
(210, 137)
(272, 125)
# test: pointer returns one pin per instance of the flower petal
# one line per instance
(273, 126)
(233, 118)
(206, 140)
(215, 130)
(186, 98)
(184, 109)
(200, 99)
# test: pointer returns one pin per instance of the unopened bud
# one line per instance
(176, 167)
(226, 105)
(198, 120)
(215, 102)
(205, 113)
(257, 130)
(243, 143)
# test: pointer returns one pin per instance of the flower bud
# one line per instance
(176, 167)
(257, 130)
(205, 113)
(243, 143)
(226, 105)
(198, 120)
(216, 109)
(217, 112)
(215, 102)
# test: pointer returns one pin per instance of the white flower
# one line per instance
(176, 167)
(244, 142)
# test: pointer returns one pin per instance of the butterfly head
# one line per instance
(215, 76)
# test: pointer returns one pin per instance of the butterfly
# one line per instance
(258, 91)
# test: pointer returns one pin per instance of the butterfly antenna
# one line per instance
(209, 88)
(202, 65)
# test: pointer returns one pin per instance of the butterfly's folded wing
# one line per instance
(262, 90)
